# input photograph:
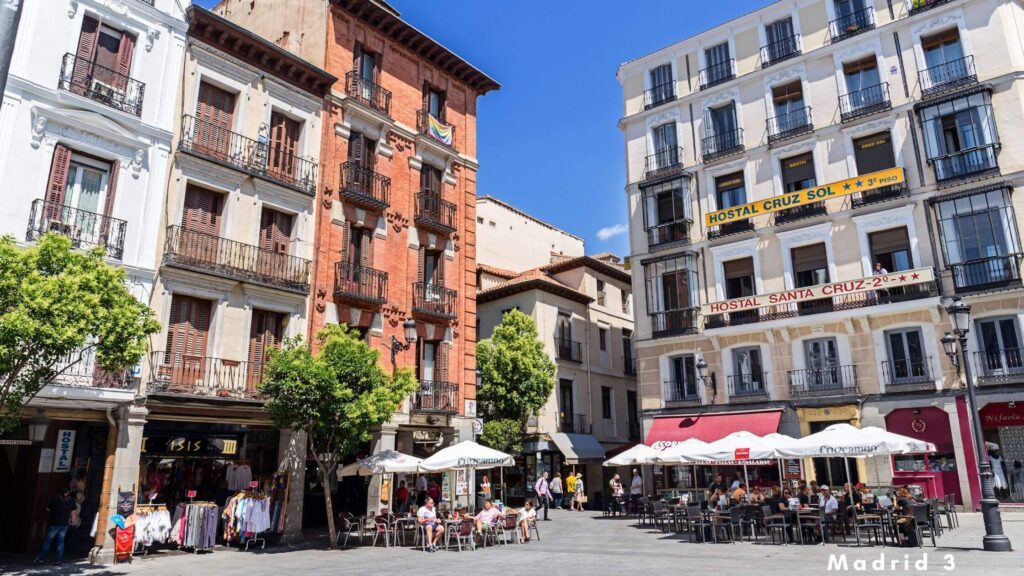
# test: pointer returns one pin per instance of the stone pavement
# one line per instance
(581, 544)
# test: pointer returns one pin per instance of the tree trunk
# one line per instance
(330, 510)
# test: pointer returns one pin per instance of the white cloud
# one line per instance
(609, 231)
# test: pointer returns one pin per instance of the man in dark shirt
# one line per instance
(60, 509)
(718, 484)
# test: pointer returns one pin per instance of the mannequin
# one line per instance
(998, 472)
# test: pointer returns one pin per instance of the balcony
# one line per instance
(258, 159)
(432, 300)
(629, 366)
(1000, 366)
(918, 6)
(864, 102)
(360, 284)
(436, 397)
(80, 370)
(204, 376)
(879, 195)
(100, 84)
(717, 74)
(367, 93)
(673, 322)
(908, 375)
(748, 387)
(947, 76)
(434, 213)
(722, 145)
(659, 95)
(670, 233)
(835, 303)
(206, 253)
(679, 393)
(995, 273)
(570, 350)
(849, 25)
(787, 215)
(574, 424)
(86, 230)
(972, 162)
(790, 125)
(731, 228)
(780, 50)
(663, 163)
(435, 128)
(362, 187)
(823, 382)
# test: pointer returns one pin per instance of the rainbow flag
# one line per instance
(439, 131)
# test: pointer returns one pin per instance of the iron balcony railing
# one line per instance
(835, 303)
(436, 397)
(367, 93)
(665, 162)
(201, 252)
(174, 373)
(85, 229)
(259, 158)
(659, 95)
(438, 130)
(101, 84)
(680, 393)
(849, 25)
(360, 283)
(986, 273)
(673, 322)
(790, 125)
(748, 386)
(721, 145)
(965, 163)
(434, 213)
(629, 365)
(908, 374)
(363, 187)
(669, 233)
(819, 382)
(573, 424)
(795, 213)
(81, 370)
(570, 350)
(918, 6)
(731, 228)
(434, 300)
(717, 73)
(878, 195)
(947, 76)
(1000, 365)
(780, 50)
(864, 102)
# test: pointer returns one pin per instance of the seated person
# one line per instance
(526, 515)
(757, 497)
(739, 493)
(426, 516)
(805, 496)
(487, 517)
(829, 504)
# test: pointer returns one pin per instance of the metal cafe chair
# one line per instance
(871, 523)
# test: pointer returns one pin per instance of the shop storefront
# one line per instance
(830, 470)
(1003, 429)
(937, 473)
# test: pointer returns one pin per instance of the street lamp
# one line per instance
(709, 383)
(960, 314)
(409, 327)
(37, 426)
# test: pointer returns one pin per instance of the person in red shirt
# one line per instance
(402, 496)
(434, 490)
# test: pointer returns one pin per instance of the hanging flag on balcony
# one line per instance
(439, 131)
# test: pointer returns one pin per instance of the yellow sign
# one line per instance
(863, 183)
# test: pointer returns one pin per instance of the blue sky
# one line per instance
(548, 141)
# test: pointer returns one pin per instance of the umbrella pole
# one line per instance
(782, 485)
(828, 464)
(746, 477)
(849, 494)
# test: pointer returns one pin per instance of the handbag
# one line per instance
(584, 499)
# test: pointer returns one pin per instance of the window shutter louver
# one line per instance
(86, 51)
(346, 235)
(442, 362)
(214, 116)
(124, 61)
(58, 180)
(364, 251)
(421, 262)
(284, 141)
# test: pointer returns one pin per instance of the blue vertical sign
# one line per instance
(65, 450)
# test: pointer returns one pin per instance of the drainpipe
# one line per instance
(108, 477)
(590, 389)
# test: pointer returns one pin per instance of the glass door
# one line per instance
(1000, 347)
(747, 371)
(822, 355)
(906, 356)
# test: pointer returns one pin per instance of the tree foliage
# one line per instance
(517, 374)
(503, 435)
(336, 396)
(58, 308)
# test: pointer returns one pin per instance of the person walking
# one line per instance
(543, 492)
(636, 491)
(580, 493)
(570, 489)
(556, 490)
(60, 509)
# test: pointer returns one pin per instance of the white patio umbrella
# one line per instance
(639, 454)
(464, 456)
(386, 462)
(679, 453)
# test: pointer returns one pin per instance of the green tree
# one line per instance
(505, 435)
(59, 306)
(517, 374)
(336, 396)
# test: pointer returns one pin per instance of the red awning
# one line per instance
(710, 427)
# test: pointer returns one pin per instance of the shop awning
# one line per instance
(710, 427)
(579, 448)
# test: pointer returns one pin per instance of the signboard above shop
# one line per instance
(807, 196)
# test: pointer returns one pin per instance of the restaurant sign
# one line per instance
(886, 177)
(866, 284)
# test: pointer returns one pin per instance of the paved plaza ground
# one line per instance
(581, 544)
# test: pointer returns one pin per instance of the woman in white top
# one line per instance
(578, 497)
(526, 514)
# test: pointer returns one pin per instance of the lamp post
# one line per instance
(409, 327)
(709, 383)
(37, 426)
(960, 313)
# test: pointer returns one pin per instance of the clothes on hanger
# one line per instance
(195, 525)
(246, 515)
(152, 525)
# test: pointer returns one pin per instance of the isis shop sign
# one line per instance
(65, 449)
(867, 284)
(807, 196)
(190, 446)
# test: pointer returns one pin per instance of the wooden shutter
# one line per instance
(811, 257)
(891, 240)
(421, 262)
(215, 110)
(441, 363)
(85, 53)
(275, 231)
(357, 60)
(108, 205)
(202, 211)
(439, 269)
(739, 268)
(284, 144)
(798, 169)
(874, 153)
(124, 60)
(58, 177)
(266, 332)
(189, 327)
(364, 249)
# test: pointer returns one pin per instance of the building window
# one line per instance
(671, 285)
(602, 338)
(874, 153)
(722, 133)
(566, 415)
(782, 42)
(681, 385)
(891, 249)
(666, 146)
(798, 174)
(628, 359)
(944, 61)
(823, 371)
(663, 88)
(718, 66)
(730, 190)
(979, 239)
(960, 137)
(865, 91)
(810, 268)
(606, 402)
(434, 101)
(666, 211)
(748, 375)
(907, 360)
(627, 303)
(792, 116)
(1000, 342)
(600, 292)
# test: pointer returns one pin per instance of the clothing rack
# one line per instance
(142, 510)
(195, 525)
(247, 517)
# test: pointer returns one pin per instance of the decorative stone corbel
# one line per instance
(383, 146)
(151, 35)
(38, 128)
(72, 8)
(136, 164)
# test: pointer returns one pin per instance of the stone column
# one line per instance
(131, 420)
(383, 439)
(291, 455)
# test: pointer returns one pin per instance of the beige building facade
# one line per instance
(900, 116)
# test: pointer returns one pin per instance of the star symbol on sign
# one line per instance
(860, 183)
(846, 186)
(903, 277)
(915, 275)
